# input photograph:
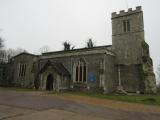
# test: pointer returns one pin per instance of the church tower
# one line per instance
(127, 35)
(132, 52)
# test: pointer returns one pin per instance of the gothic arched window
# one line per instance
(81, 71)
(22, 70)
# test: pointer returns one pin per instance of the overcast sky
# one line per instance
(31, 24)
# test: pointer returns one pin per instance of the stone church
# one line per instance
(125, 65)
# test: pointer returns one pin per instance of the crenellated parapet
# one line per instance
(123, 12)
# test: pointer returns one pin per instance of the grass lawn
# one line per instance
(143, 99)
(18, 89)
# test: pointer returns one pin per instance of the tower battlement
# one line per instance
(123, 12)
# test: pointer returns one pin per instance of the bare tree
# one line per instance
(44, 49)
(5, 55)
(20, 50)
(10, 53)
(2, 52)
(13, 52)
(90, 43)
(1, 43)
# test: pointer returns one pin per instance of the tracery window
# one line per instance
(22, 70)
(81, 71)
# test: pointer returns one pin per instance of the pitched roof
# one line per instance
(23, 54)
(58, 67)
(78, 50)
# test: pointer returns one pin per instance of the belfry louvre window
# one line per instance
(22, 70)
(81, 71)
(126, 25)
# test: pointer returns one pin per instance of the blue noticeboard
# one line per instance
(91, 77)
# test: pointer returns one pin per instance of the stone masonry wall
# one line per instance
(93, 67)
(28, 79)
(127, 45)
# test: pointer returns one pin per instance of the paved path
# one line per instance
(28, 105)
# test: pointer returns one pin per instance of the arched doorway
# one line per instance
(49, 82)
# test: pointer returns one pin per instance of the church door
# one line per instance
(49, 82)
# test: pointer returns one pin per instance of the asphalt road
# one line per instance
(15, 104)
